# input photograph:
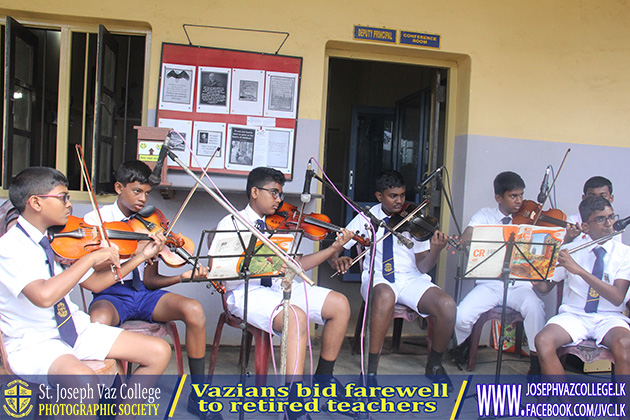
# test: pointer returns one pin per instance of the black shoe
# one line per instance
(340, 396)
(459, 355)
(193, 408)
(437, 374)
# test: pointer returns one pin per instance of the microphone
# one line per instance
(156, 176)
(418, 188)
(544, 186)
(620, 225)
(306, 191)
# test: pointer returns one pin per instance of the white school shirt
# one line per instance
(404, 258)
(616, 266)
(22, 261)
(112, 213)
(488, 216)
(227, 224)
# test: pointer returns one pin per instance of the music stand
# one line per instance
(515, 252)
(241, 244)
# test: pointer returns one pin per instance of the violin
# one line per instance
(316, 226)
(178, 250)
(420, 227)
(531, 213)
(78, 238)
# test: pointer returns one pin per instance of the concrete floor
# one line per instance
(393, 368)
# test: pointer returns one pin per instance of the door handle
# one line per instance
(350, 180)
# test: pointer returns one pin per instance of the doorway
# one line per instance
(380, 116)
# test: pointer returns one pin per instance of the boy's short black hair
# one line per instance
(132, 171)
(389, 179)
(591, 204)
(36, 180)
(597, 182)
(261, 176)
(507, 181)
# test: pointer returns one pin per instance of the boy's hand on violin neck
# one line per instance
(439, 240)
(573, 231)
(342, 238)
(153, 247)
(200, 272)
(105, 255)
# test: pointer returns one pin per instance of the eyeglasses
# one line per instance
(65, 197)
(274, 192)
(600, 220)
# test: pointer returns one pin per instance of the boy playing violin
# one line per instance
(45, 332)
(596, 281)
(508, 193)
(594, 186)
(400, 277)
(139, 296)
(325, 307)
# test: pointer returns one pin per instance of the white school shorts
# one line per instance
(34, 355)
(407, 291)
(263, 300)
(588, 326)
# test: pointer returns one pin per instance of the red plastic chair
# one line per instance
(262, 355)
(511, 316)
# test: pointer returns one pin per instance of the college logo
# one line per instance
(17, 399)
(62, 311)
(388, 267)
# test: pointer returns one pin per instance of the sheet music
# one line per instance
(227, 255)
(536, 243)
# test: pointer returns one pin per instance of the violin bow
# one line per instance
(402, 222)
(552, 185)
(115, 270)
(190, 194)
(218, 287)
(288, 261)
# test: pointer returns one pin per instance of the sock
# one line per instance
(324, 371)
(435, 358)
(372, 363)
(534, 365)
(197, 369)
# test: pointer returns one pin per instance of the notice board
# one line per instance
(245, 102)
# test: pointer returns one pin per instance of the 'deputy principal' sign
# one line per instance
(419, 39)
(375, 34)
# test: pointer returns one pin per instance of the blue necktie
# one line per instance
(592, 300)
(65, 324)
(260, 225)
(388, 256)
(136, 283)
(506, 220)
